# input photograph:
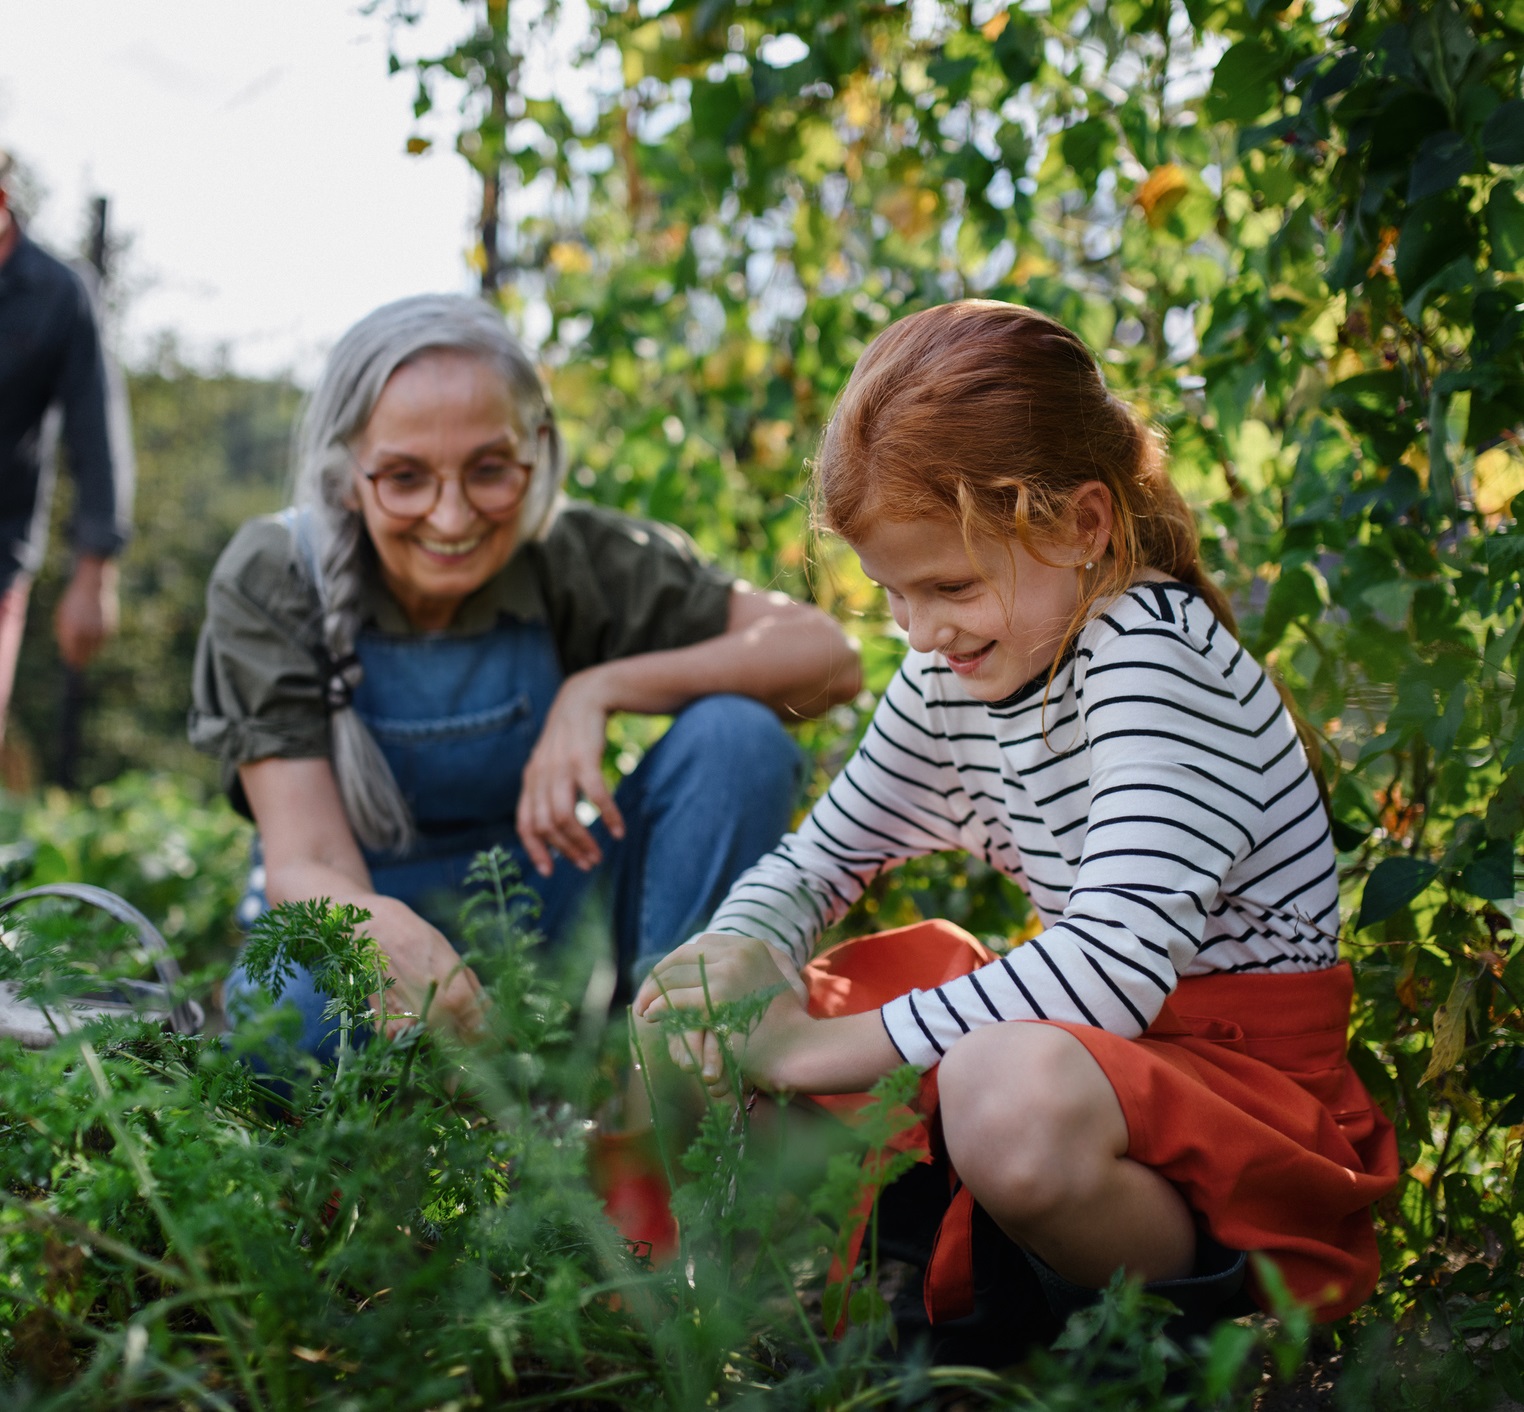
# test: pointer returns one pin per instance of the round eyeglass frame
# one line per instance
(378, 480)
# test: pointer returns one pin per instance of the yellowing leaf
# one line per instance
(994, 27)
(569, 257)
(1497, 477)
(418, 145)
(820, 151)
(859, 105)
(1383, 262)
(1450, 1028)
(911, 212)
(771, 440)
(1162, 192)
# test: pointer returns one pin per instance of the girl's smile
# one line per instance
(997, 618)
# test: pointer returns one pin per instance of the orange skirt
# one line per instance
(1240, 1093)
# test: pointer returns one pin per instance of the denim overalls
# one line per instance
(457, 718)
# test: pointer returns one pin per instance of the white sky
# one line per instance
(251, 149)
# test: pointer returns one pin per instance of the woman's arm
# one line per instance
(310, 852)
(788, 655)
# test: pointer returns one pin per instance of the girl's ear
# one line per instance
(1092, 520)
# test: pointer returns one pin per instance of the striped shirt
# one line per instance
(1157, 808)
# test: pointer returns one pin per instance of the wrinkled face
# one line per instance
(449, 415)
(997, 623)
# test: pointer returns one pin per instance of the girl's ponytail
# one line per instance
(1158, 517)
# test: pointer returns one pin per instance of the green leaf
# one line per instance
(953, 76)
(1442, 161)
(715, 107)
(1087, 149)
(1347, 837)
(1295, 595)
(1393, 883)
(1444, 729)
(1505, 229)
(1245, 83)
(49, 866)
(1490, 873)
(1437, 231)
(1500, 1076)
(1371, 403)
(1515, 756)
(1018, 49)
(1443, 46)
(1503, 134)
(1334, 80)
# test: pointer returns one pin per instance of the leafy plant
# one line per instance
(416, 1226)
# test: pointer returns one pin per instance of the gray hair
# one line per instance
(340, 407)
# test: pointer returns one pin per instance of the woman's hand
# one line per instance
(565, 766)
(711, 970)
(310, 852)
(419, 957)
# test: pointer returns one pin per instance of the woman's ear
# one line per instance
(349, 498)
(1092, 520)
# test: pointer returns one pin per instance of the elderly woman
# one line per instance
(419, 659)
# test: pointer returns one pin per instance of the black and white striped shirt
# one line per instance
(1158, 810)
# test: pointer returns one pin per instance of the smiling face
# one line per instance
(445, 414)
(997, 623)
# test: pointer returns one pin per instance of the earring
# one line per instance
(1089, 566)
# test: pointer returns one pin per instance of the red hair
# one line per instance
(994, 416)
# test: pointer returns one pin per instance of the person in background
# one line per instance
(51, 356)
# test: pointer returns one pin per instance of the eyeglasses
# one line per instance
(492, 487)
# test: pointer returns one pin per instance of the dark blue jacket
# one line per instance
(50, 353)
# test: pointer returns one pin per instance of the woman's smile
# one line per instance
(445, 549)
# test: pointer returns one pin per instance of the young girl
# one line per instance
(1158, 1080)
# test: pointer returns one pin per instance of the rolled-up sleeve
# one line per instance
(255, 688)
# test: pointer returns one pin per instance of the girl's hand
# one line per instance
(716, 968)
(565, 766)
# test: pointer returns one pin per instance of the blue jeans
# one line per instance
(709, 799)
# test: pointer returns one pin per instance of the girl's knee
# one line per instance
(1026, 1116)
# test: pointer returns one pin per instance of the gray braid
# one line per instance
(352, 381)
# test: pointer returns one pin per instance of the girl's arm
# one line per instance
(310, 852)
(898, 797)
(788, 655)
(788, 1050)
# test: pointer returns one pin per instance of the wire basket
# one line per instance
(37, 1026)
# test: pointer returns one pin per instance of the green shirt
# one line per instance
(607, 585)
